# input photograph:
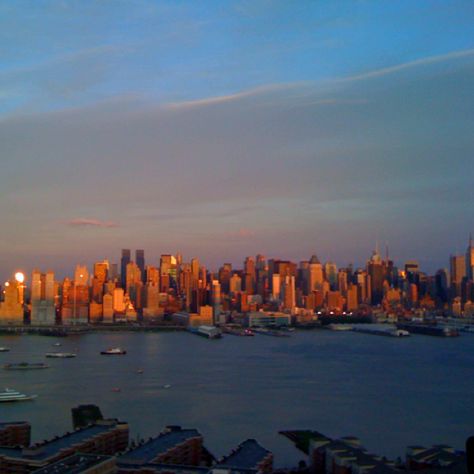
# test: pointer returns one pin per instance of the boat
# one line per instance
(210, 332)
(239, 332)
(339, 327)
(167, 386)
(10, 395)
(25, 366)
(390, 332)
(4, 349)
(429, 329)
(60, 355)
(57, 344)
(271, 332)
(114, 351)
(116, 390)
(140, 371)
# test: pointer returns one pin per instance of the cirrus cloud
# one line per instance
(82, 222)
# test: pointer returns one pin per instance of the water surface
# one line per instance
(389, 392)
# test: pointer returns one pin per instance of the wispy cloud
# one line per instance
(81, 222)
(222, 99)
(417, 62)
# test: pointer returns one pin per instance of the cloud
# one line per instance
(410, 64)
(287, 170)
(81, 222)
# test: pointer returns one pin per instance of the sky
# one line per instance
(230, 128)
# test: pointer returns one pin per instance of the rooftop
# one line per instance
(41, 451)
(247, 456)
(4, 424)
(75, 464)
(148, 451)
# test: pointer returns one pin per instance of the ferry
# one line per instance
(339, 327)
(429, 330)
(25, 366)
(114, 351)
(271, 332)
(4, 349)
(10, 395)
(239, 332)
(386, 331)
(60, 355)
(209, 332)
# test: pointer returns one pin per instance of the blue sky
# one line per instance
(223, 129)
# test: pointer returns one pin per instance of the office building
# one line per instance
(43, 311)
(11, 308)
(125, 260)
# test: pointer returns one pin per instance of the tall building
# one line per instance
(470, 259)
(216, 299)
(235, 284)
(11, 308)
(43, 311)
(81, 275)
(288, 297)
(315, 275)
(75, 307)
(123, 266)
(140, 261)
(133, 284)
(225, 274)
(375, 272)
(458, 272)
(101, 270)
(99, 279)
(330, 270)
(249, 275)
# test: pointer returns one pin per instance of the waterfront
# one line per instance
(387, 391)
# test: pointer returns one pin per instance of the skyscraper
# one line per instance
(375, 272)
(123, 266)
(42, 298)
(140, 261)
(458, 272)
(11, 308)
(470, 259)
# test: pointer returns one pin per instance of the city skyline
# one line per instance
(153, 258)
(232, 128)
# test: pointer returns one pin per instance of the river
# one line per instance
(389, 392)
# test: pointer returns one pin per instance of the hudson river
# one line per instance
(389, 392)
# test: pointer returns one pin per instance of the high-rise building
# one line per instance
(225, 274)
(140, 261)
(249, 275)
(330, 270)
(76, 304)
(101, 270)
(216, 299)
(458, 272)
(375, 271)
(98, 280)
(470, 259)
(43, 311)
(123, 266)
(81, 275)
(235, 284)
(11, 308)
(315, 275)
(288, 296)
